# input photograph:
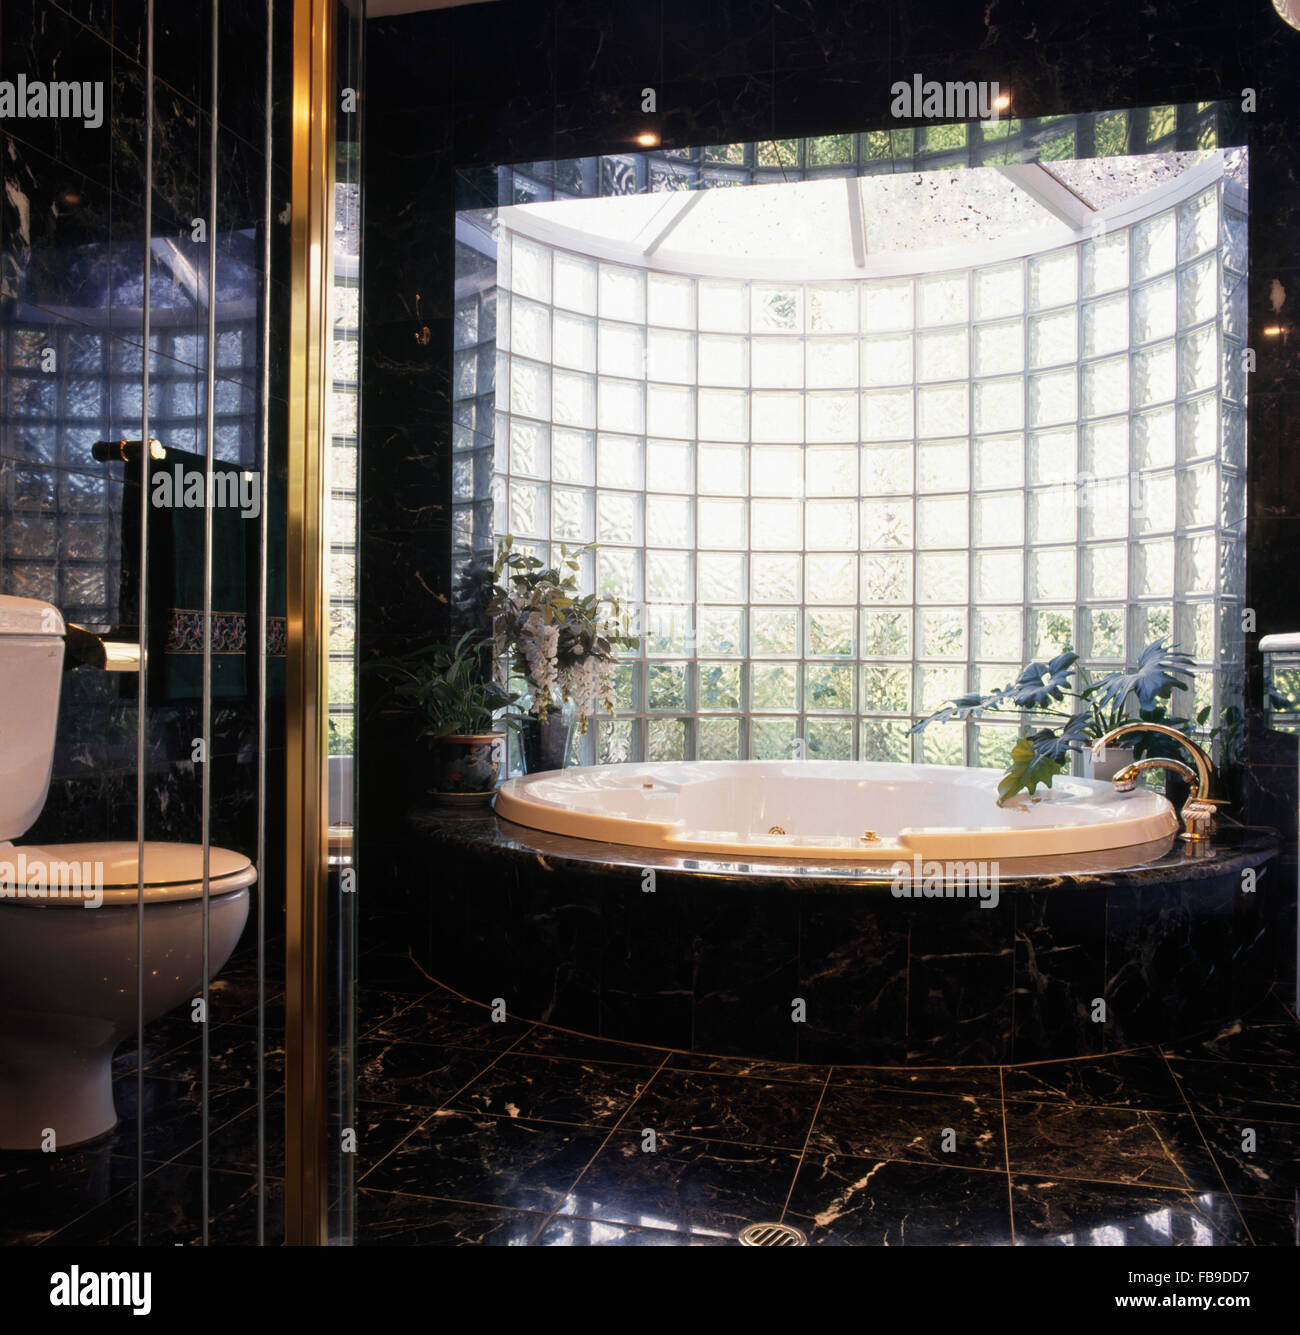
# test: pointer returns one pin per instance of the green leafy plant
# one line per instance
(564, 644)
(1076, 709)
(445, 688)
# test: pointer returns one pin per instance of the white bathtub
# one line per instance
(830, 810)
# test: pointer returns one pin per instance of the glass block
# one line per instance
(617, 518)
(720, 577)
(831, 363)
(886, 632)
(670, 355)
(1198, 361)
(721, 523)
(1155, 622)
(943, 465)
(1052, 457)
(575, 283)
(573, 400)
(1053, 514)
(1153, 439)
(670, 300)
(528, 509)
(722, 469)
(999, 291)
(1000, 348)
(828, 686)
(619, 461)
(1153, 245)
(993, 744)
(999, 518)
(670, 411)
(935, 685)
(723, 360)
(999, 404)
(530, 330)
(999, 461)
(1198, 495)
(572, 456)
(1105, 631)
(833, 308)
(1153, 502)
(575, 342)
(943, 746)
(829, 632)
(886, 468)
(942, 299)
(776, 363)
(570, 515)
(622, 293)
(884, 740)
(1104, 448)
(1235, 311)
(942, 577)
(1105, 326)
(886, 523)
(621, 350)
(775, 578)
(773, 686)
(618, 574)
(830, 578)
(777, 416)
(621, 405)
(886, 414)
(886, 578)
(1051, 631)
(666, 739)
(530, 388)
(776, 471)
(1198, 428)
(828, 738)
(831, 471)
(1052, 574)
(942, 354)
(1053, 397)
(1198, 224)
(668, 521)
(776, 307)
(1103, 508)
(1235, 240)
(1053, 338)
(1053, 279)
(942, 521)
(997, 634)
(1153, 569)
(943, 410)
(999, 576)
(773, 739)
(831, 416)
(720, 630)
(774, 632)
(775, 524)
(530, 269)
(667, 575)
(1154, 306)
(886, 690)
(1105, 387)
(1198, 292)
(831, 525)
(724, 414)
(723, 306)
(1196, 564)
(529, 447)
(1104, 573)
(668, 465)
(717, 739)
(886, 305)
(887, 360)
(941, 632)
(717, 686)
(1105, 263)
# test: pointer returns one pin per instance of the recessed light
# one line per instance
(1274, 330)
(647, 139)
(1288, 11)
(1003, 102)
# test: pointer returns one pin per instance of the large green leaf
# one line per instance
(1027, 770)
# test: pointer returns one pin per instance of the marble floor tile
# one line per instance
(550, 1089)
(740, 1109)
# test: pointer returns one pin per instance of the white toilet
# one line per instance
(68, 918)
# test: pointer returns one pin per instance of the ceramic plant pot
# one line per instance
(468, 767)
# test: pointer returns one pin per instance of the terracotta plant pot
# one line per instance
(467, 768)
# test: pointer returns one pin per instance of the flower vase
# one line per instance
(544, 743)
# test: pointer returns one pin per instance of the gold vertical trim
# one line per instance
(311, 213)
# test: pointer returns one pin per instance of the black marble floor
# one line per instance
(472, 1132)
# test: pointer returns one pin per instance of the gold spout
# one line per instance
(1204, 769)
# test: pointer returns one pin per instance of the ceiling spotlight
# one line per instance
(647, 139)
(1003, 101)
(1288, 11)
(1274, 330)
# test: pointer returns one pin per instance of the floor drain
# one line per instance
(772, 1235)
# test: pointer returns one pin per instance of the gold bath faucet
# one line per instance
(1199, 810)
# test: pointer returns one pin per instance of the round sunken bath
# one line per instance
(846, 913)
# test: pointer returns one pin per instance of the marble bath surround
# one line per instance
(795, 961)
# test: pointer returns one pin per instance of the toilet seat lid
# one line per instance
(171, 871)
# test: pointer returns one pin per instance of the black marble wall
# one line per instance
(72, 250)
(523, 80)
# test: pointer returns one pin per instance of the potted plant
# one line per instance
(1096, 706)
(561, 643)
(454, 704)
